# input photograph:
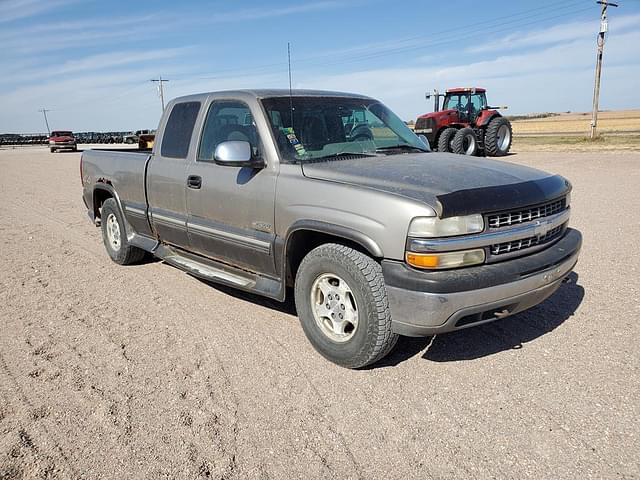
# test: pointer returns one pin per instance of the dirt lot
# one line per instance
(146, 372)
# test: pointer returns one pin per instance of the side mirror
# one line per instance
(236, 153)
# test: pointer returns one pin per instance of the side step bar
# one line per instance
(209, 273)
(217, 272)
(202, 268)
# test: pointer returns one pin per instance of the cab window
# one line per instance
(227, 120)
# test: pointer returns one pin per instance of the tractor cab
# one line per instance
(468, 102)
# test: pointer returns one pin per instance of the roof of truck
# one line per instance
(271, 92)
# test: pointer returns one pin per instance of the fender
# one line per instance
(141, 241)
(281, 246)
(106, 186)
(337, 230)
(486, 116)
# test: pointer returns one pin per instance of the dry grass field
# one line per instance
(621, 121)
(617, 130)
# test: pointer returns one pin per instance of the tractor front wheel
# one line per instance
(465, 142)
(498, 136)
(445, 139)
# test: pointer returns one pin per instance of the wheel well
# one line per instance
(99, 197)
(302, 242)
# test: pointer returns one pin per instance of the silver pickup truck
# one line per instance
(332, 195)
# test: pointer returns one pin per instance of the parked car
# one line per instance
(62, 140)
(133, 137)
(333, 195)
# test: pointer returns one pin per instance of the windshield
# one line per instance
(61, 133)
(332, 126)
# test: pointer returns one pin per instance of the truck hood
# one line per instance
(450, 184)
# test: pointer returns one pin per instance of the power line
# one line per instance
(604, 26)
(160, 82)
(44, 112)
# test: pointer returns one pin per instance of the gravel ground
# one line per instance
(146, 372)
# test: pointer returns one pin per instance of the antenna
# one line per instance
(290, 89)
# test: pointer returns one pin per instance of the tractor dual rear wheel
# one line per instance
(445, 139)
(465, 142)
(498, 136)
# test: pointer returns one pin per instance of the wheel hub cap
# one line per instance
(468, 144)
(334, 307)
(113, 231)
(504, 136)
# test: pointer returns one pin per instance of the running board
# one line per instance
(210, 270)
(206, 271)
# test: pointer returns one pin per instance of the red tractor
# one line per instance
(466, 124)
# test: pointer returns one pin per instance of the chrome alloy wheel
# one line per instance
(334, 307)
(503, 138)
(113, 232)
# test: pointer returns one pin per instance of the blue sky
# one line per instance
(90, 62)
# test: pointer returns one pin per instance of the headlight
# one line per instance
(436, 261)
(445, 227)
(568, 199)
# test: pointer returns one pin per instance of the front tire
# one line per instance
(114, 235)
(465, 142)
(498, 137)
(342, 305)
(445, 139)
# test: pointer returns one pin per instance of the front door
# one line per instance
(231, 211)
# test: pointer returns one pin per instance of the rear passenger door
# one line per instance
(166, 177)
(231, 212)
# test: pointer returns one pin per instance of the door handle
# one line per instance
(194, 181)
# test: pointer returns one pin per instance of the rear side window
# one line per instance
(178, 130)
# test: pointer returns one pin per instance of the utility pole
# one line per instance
(604, 26)
(44, 112)
(160, 81)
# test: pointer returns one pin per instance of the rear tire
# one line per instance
(114, 235)
(498, 137)
(445, 139)
(334, 280)
(465, 142)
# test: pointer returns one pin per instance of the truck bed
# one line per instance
(118, 171)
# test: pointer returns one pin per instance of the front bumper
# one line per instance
(425, 303)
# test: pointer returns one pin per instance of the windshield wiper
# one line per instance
(402, 146)
(344, 154)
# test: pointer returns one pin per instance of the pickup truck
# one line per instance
(329, 196)
(62, 139)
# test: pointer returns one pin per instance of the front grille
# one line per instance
(516, 245)
(514, 217)
(424, 124)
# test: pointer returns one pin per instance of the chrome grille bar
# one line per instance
(503, 219)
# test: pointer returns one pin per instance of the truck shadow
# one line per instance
(512, 333)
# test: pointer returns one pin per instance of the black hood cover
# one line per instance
(450, 184)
